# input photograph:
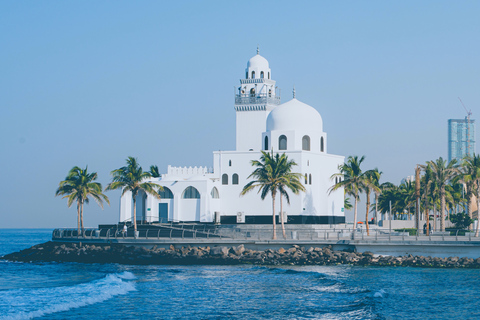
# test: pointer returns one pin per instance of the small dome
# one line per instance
(294, 115)
(258, 62)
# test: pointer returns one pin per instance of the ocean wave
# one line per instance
(22, 304)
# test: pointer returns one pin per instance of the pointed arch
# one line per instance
(310, 178)
(191, 193)
(214, 193)
(166, 193)
(235, 178)
(321, 144)
(253, 74)
(261, 74)
(266, 143)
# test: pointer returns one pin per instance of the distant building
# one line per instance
(461, 131)
(408, 179)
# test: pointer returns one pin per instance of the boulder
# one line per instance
(219, 251)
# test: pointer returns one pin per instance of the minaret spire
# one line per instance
(293, 91)
(258, 49)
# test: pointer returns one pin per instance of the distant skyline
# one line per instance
(91, 83)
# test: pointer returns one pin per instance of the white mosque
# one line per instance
(198, 194)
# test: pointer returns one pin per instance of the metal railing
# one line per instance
(167, 231)
(189, 231)
(245, 99)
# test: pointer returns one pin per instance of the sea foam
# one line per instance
(31, 303)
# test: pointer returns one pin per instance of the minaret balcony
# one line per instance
(262, 98)
(257, 80)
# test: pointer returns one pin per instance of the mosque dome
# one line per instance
(294, 115)
(258, 62)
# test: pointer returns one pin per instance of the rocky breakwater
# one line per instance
(296, 255)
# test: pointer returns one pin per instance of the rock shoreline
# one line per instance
(296, 255)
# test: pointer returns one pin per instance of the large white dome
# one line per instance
(258, 62)
(294, 115)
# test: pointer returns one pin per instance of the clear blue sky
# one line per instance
(92, 82)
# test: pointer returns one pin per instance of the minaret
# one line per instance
(256, 97)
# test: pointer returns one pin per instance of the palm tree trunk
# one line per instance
(442, 209)
(478, 216)
(134, 217)
(355, 214)
(281, 217)
(78, 219)
(274, 225)
(470, 211)
(376, 209)
(366, 213)
(81, 219)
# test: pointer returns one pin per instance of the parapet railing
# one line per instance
(186, 231)
(346, 234)
(183, 231)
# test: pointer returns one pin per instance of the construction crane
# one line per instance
(469, 113)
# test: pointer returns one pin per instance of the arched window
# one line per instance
(266, 143)
(336, 180)
(339, 179)
(269, 92)
(306, 178)
(310, 178)
(282, 143)
(306, 143)
(252, 92)
(261, 74)
(214, 193)
(253, 74)
(166, 193)
(321, 144)
(246, 74)
(229, 163)
(235, 178)
(224, 178)
(269, 75)
(191, 193)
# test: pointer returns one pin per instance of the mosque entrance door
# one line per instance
(163, 212)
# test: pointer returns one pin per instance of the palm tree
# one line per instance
(442, 172)
(376, 174)
(288, 180)
(370, 183)
(351, 178)
(273, 174)
(132, 178)
(407, 194)
(471, 178)
(346, 204)
(154, 172)
(78, 186)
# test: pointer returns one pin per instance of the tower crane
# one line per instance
(469, 113)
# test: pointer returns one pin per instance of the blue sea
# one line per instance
(112, 291)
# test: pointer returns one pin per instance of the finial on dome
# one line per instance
(258, 49)
(293, 91)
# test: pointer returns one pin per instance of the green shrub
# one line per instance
(461, 220)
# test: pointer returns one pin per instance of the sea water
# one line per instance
(112, 291)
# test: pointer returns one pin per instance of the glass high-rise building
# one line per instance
(461, 131)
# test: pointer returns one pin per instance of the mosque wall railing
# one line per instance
(246, 99)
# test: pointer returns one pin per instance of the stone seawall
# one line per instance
(221, 255)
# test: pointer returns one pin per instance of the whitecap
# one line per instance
(379, 293)
(22, 304)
